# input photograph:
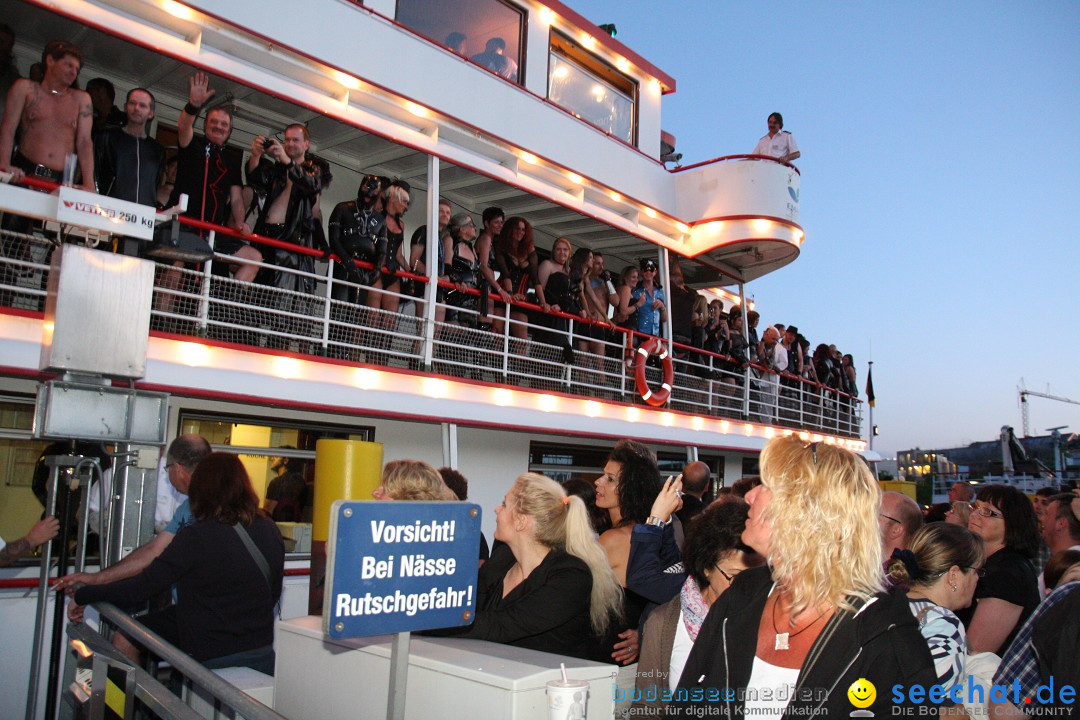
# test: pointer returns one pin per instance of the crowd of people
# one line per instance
(484, 263)
(806, 574)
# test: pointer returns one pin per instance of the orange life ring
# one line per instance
(641, 356)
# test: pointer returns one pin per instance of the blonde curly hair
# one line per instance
(824, 542)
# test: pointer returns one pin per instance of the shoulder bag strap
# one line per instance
(257, 556)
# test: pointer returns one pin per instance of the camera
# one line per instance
(268, 143)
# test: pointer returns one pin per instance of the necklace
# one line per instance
(783, 638)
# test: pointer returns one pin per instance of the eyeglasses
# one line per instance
(648, 269)
(890, 517)
(987, 511)
(727, 577)
(981, 572)
(813, 450)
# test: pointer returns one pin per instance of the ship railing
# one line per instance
(551, 351)
(137, 692)
(1025, 482)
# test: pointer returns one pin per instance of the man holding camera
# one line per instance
(290, 182)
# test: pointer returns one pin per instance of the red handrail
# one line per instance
(723, 158)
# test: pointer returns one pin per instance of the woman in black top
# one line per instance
(1009, 592)
(550, 584)
(224, 614)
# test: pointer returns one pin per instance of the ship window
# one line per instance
(591, 89)
(489, 32)
(19, 508)
(270, 448)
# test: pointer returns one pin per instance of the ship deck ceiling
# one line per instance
(128, 65)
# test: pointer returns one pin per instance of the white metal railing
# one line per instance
(546, 352)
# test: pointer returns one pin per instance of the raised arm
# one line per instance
(199, 92)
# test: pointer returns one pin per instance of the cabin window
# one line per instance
(488, 32)
(19, 508)
(591, 89)
(270, 449)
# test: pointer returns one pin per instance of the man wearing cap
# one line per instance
(53, 118)
(651, 314)
(778, 143)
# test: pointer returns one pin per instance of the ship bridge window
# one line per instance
(591, 89)
(488, 32)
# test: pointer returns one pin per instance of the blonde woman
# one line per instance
(941, 568)
(412, 480)
(549, 587)
(817, 617)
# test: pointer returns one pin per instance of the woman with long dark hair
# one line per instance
(626, 490)
(226, 586)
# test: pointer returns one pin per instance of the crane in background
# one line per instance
(1024, 392)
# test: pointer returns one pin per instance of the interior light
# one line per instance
(650, 212)
(698, 422)
(622, 63)
(799, 235)
(654, 86)
(560, 72)
(415, 109)
(616, 196)
(761, 225)
(547, 16)
(347, 80)
(683, 227)
(503, 397)
(548, 403)
(770, 432)
(366, 378)
(286, 367)
(593, 408)
(529, 158)
(598, 91)
(575, 178)
(178, 10)
(193, 354)
(436, 388)
(804, 436)
(748, 429)
(632, 414)
(724, 425)
(588, 41)
(667, 419)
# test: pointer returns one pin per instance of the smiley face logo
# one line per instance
(862, 693)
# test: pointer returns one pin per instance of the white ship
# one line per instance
(567, 134)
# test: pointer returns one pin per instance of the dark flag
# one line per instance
(870, 386)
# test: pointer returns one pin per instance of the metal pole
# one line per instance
(665, 281)
(399, 675)
(434, 260)
(43, 593)
(746, 336)
(449, 442)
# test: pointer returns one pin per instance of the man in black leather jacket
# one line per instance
(127, 160)
(290, 180)
(357, 228)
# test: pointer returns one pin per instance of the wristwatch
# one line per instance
(656, 522)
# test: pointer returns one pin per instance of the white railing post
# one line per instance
(204, 294)
(328, 305)
(433, 261)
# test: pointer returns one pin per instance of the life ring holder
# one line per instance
(653, 346)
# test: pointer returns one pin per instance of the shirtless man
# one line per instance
(54, 119)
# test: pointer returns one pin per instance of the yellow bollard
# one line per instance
(344, 470)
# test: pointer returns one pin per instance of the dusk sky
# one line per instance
(940, 165)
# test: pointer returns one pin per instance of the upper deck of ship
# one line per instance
(381, 93)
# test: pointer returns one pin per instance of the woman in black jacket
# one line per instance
(792, 638)
(224, 612)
